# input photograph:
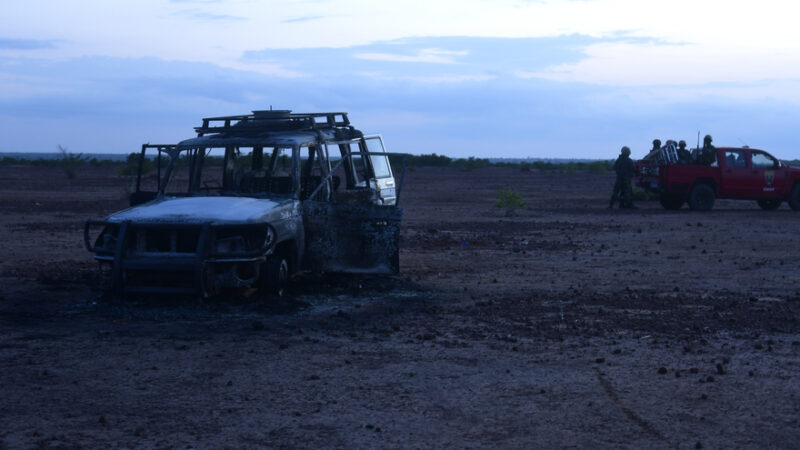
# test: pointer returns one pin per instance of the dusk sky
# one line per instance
(498, 78)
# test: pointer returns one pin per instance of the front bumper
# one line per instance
(185, 262)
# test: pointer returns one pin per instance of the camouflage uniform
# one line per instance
(654, 152)
(625, 169)
(708, 154)
(684, 157)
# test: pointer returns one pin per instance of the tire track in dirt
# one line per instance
(632, 416)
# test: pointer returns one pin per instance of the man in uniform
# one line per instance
(684, 157)
(707, 154)
(656, 148)
(625, 169)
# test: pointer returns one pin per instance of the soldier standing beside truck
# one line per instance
(625, 169)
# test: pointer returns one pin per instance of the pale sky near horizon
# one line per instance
(548, 78)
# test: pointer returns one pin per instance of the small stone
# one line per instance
(617, 351)
(102, 420)
(662, 370)
(720, 369)
(600, 360)
(698, 445)
(694, 370)
(704, 397)
(258, 325)
(313, 378)
(230, 383)
(710, 379)
(283, 346)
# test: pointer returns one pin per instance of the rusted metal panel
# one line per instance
(352, 238)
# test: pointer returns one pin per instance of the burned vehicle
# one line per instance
(249, 201)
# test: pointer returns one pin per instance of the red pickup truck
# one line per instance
(736, 173)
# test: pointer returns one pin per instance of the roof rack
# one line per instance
(273, 120)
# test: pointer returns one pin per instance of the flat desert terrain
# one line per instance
(564, 325)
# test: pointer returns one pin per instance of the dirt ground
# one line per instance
(564, 325)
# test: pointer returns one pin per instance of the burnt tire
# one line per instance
(769, 204)
(794, 198)
(671, 202)
(275, 276)
(702, 197)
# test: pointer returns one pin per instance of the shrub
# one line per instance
(70, 161)
(509, 200)
(643, 196)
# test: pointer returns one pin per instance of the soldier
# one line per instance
(684, 157)
(624, 168)
(656, 147)
(708, 154)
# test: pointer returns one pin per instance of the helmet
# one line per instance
(626, 151)
(682, 143)
(707, 138)
(656, 143)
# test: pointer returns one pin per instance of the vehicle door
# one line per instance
(734, 174)
(149, 170)
(350, 232)
(767, 178)
(381, 178)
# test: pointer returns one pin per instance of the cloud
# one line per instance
(302, 19)
(487, 104)
(27, 44)
(207, 16)
(652, 64)
(426, 55)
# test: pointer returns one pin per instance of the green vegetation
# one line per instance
(509, 200)
(434, 160)
(131, 165)
(70, 161)
(642, 195)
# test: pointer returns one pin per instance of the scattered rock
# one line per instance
(720, 369)
(313, 378)
(600, 360)
(230, 383)
(662, 370)
(694, 370)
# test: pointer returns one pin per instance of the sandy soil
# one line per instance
(564, 325)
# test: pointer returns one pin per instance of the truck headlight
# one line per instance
(233, 244)
(244, 240)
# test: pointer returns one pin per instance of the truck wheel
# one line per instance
(769, 205)
(671, 201)
(701, 198)
(275, 276)
(794, 198)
